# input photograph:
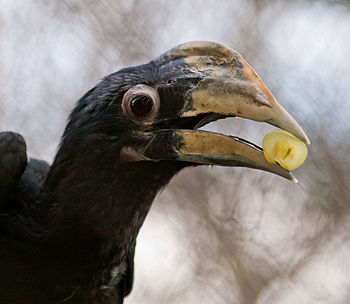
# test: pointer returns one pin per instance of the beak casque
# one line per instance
(230, 87)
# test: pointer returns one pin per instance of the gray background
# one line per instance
(214, 235)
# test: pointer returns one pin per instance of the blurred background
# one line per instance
(214, 235)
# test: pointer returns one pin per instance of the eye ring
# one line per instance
(141, 103)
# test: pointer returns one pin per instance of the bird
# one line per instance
(68, 231)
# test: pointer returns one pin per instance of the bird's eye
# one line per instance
(141, 103)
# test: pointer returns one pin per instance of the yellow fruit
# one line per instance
(285, 149)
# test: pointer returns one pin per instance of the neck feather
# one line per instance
(97, 203)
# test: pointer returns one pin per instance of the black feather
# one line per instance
(68, 232)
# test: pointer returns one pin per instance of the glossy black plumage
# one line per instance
(13, 160)
(72, 239)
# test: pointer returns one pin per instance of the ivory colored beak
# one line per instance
(210, 149)
(231, 87)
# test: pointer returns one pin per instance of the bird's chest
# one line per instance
(106, 289)
(112, 278)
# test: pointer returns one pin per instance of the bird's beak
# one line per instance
(225, 86)
(210, 149)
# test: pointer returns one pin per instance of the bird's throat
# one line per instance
(97, 203)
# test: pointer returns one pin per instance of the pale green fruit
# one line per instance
(285, 149)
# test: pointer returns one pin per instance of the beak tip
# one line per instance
(293, 178)
(307, 141)
(301, 134)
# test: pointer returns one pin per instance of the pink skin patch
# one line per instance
(129, 154)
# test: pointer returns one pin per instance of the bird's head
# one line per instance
(131, 133)
(155, 109)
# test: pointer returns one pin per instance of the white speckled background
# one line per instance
(214, 235)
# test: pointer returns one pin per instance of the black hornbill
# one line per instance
(68, 232)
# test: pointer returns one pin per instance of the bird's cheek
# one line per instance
(129, 154)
